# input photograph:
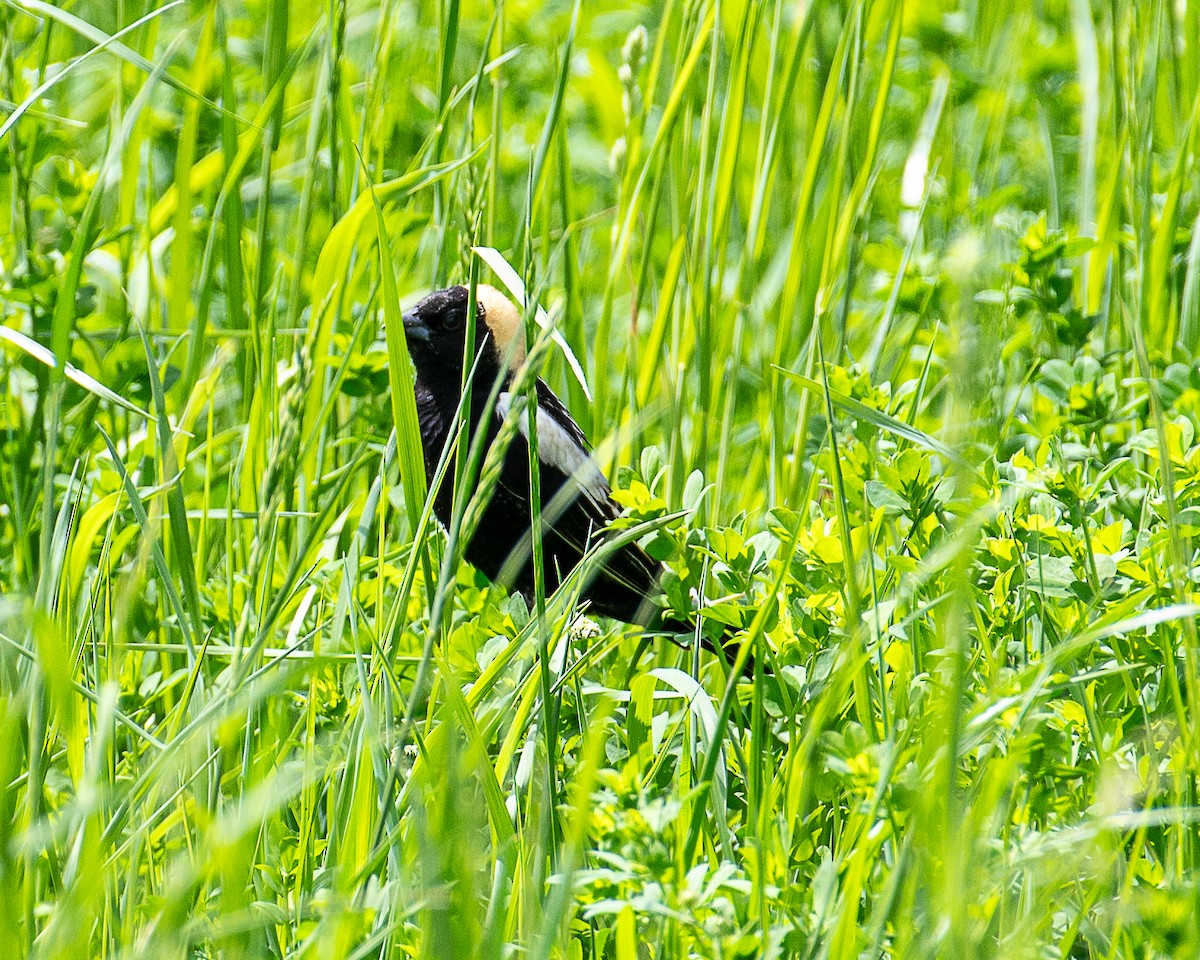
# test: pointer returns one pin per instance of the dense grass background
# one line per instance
(887, 311)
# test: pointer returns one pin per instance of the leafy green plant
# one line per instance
(882, 316)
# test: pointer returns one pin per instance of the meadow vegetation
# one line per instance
(886, 312)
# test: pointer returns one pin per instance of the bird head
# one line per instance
(436, 330)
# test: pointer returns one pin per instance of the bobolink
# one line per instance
(575, 495)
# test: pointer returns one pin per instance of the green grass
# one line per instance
(887, 314)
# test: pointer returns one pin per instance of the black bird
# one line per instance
(575, 495)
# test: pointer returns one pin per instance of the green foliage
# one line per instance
(889, 314)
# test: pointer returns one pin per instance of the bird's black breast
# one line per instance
(434, 426)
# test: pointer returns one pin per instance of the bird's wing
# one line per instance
(579, 505)
(561, 445)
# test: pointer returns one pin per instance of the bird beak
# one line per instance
(414, 327)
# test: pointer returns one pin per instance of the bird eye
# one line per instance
(453, 322)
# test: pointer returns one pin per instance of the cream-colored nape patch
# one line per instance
(503, 320)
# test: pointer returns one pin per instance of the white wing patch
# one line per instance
(558, 449)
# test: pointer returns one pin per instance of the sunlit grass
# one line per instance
(885, 313)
